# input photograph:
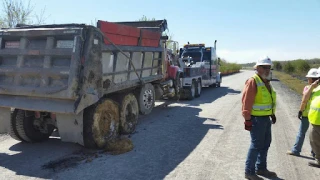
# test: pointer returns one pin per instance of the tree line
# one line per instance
(16, 12)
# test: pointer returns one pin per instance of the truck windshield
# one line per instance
(196, 55)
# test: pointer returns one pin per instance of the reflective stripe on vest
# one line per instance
(262, 107)
(314, 111)
(264, 103)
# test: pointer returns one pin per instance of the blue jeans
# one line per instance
(304, 125)
(260, 143)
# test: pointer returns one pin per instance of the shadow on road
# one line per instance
(27, 159)
(275, 178)
(305, 157)
(163, 140)
(209, 95)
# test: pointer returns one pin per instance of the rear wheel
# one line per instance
(129, 113)
(13, 130)
(191, 91)
(100, 123)
(26, 129)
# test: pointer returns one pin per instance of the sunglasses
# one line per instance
(266, 67)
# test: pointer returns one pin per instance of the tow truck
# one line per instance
(198, 55)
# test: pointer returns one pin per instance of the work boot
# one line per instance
(313, 154)
(314, 163)
(293, 153)
(252, 177)
(266, 173)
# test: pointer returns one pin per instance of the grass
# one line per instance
(315, 65)
(292, 82)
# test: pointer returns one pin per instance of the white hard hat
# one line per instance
(313, 73)
(264, 61)
(318, 72)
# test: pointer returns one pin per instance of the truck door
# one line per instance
(207, 58)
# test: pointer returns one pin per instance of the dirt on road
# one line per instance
(199, 139)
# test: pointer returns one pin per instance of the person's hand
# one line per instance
(315, 83)
(300, 115)
(273, 119)
(248, 125)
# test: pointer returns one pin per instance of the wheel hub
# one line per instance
(148, 99)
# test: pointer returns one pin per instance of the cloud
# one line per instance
(252, 55)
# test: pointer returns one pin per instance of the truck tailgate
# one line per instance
(40, 62)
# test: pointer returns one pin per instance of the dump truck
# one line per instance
(89, 83)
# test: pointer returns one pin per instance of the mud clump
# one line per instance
(119, 146)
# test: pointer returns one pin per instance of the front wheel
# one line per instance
(177, 86)
(199, 88)
(146, 99)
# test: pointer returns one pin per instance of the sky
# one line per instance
(245, 30)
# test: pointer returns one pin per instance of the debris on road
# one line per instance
(119, 146)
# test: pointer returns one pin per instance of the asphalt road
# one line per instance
(200, 139)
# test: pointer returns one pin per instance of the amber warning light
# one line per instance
(12, 44)
(194, 45)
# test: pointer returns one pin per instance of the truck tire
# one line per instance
(100, 123)
(198, 88)
(26, 129)
(129, 114)
(191, 91)
(177, 86)
(146, 99)
(13, 130)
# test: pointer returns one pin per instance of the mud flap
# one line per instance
(5, 118)
(70, 127)
(86, 101)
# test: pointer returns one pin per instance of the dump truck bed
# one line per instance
(66, 68)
